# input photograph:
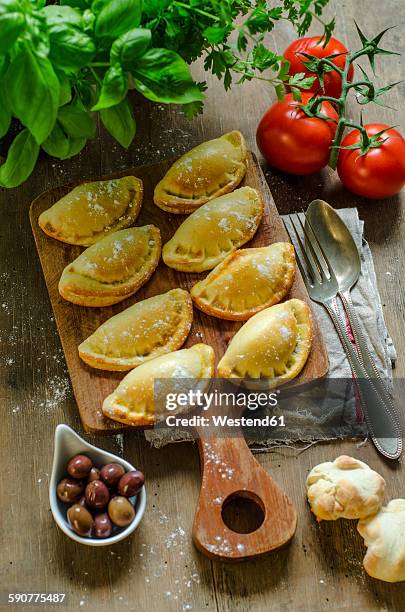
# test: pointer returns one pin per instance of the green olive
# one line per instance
(121, 511)
(80, 520)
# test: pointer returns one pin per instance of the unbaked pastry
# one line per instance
(214, 231)
(113, 268)
(272, 347)
(209, 170)
(139, 399)
(149, 328)
(91, 211)
(344, 488)
(384, 536)
(246, 282)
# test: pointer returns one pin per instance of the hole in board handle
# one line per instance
(243, 512)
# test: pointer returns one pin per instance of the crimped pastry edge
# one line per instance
(183, 206)
(149, 420)
(116, 364)
(257, 383)
(212, 262)
(113, 295)
(247, 314)
(135, 209)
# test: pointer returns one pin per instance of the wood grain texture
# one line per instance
(246, 479)
(322, 567)
(76, 323)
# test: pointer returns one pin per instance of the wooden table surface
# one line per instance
(159, 568)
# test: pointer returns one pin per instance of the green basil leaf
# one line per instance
(76, 122)
(119, 121)
(21, 159)
(80, 4)
(130, 46)
(114, 88)
(86, 92)
(33, 91)
(62, 145)
(12, 23)
(117, 17)
(5, 112)
(65, 94)
(162, 75)
(56, 15)
(70, 48)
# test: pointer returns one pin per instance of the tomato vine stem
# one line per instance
(363, 86)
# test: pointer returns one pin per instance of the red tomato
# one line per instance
(293, 142)
(313, 46)
(380, 173)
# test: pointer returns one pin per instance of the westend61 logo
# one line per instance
(216, 401)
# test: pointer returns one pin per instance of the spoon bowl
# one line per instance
(337, 242)
(67, 444)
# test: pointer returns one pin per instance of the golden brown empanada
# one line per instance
(112, 269)
(209, 170)
(214, 231)
(152, 327)
(273, 346)
(246, 282)
(140, 397)
(91, 211)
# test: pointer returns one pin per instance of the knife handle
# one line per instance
(377, 405)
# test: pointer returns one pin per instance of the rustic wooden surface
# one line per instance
(76, 323)
(159, 567)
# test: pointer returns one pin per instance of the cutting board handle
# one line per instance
(229, 471)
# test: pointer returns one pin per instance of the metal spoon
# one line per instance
(344, 258)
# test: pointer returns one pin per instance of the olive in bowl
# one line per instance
(80, 506)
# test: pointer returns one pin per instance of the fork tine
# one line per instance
(310, 272)
(329, 267)
(304, 273)
(312, 250)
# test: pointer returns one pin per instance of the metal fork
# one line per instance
(381, 419)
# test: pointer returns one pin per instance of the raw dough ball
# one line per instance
(384, 536)
(345, 488)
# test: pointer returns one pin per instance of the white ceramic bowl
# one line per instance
(68, 444)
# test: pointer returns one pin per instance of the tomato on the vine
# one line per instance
(313, 45)
(378, 173)
(294, 142)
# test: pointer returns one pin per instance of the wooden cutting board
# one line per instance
(75, 323)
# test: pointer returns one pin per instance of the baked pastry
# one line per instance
(112, 269)
(140, 397)
(152, 327)
(209, 170)
(214, 231)
(246, 282)
(91, 211)
(384, 536)
(344, 488)
(271, 348)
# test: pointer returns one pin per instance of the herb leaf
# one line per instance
(163, 76)
(33, 91)
(76, 122)
(119, 121)
(21, 159)
(130, 46)
(114, 88)
(118, 16)
(61, 144)
(12, 23)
